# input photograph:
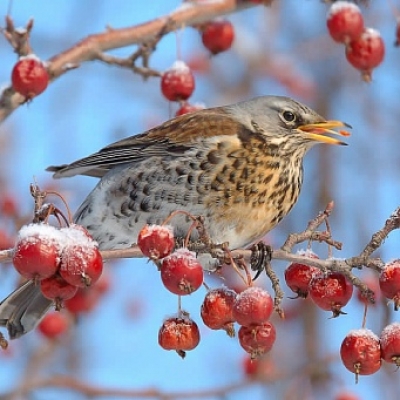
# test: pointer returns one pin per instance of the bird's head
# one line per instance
(288, 123)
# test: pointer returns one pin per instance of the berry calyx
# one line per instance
(344, 21)
(217, 36)
(361, 352)
(180, 334)
(330, 291)
(53, 324)
(389, 282)
(298, 276)
(181, 272)
(390, 343)
(37, 251)
(217, 309)
(29, 76)
(156, 241)
(177, 83)
(366, 52)
(252, 306)
(257, 339)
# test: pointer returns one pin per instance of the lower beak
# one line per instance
(320, 130)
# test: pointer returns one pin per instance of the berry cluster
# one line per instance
(60, 260)
(182, 274)
(362, 351)
(365, 48)
(29, 76)
(330, 291)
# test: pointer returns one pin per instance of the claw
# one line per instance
(260, 256)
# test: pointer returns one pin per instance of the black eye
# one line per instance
(289, 116)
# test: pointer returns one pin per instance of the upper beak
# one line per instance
(319, 130)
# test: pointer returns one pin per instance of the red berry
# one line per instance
(180, 334)
(87, 298)
(345, 21)
(187, 108)
(8, 206)
(181, 272)
(346, 396)
(250, 367)
(390, 343)
(298, 276)
(217, 36)
(6, 242)
(56, 288)
(177, 83)
(156, 241)
(37, 252)
(361, 352)
(252, 306)
(257, 339)
(366, 52)
(81, 261)
(330, 291)
(217, 309)
(84, 301)
(389, 282)
(53, 324)
(29, 76)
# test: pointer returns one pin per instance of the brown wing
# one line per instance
(171, 139)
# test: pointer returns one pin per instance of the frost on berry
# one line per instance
(361, 352)
(331, 291)
(366, 52)
(390, 343)
(252, 306)
(181, 272)
(37, 251)
(217, 309)
(257, 339)
(156, 241)
(29, 76)
(389, 282)
(217, 36)
(345, 21)
(179, 333)
(177, 83)
(298, 276)
(81, 262)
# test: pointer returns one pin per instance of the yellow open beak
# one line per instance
(319, 130)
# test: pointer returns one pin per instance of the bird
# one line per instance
(239, 166)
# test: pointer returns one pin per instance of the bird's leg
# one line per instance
(261, 255)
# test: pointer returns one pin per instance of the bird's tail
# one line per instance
(23, 309)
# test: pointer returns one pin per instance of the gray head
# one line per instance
(286, 122)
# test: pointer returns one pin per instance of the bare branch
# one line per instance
(91, 48)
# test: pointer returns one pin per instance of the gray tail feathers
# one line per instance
(23, 309)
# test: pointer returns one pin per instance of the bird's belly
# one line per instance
(234, 212)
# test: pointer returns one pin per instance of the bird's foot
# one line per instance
(261, 255)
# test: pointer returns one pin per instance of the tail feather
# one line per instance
(23, 309)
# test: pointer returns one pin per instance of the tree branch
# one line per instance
(190, 13)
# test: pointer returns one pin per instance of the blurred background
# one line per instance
(283, 49)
